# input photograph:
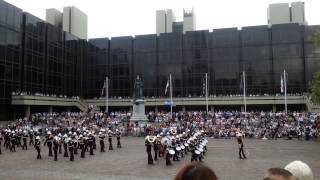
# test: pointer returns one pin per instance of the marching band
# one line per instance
(71, 141)
(175, 146)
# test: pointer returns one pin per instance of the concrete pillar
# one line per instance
(242, 108)
(274, 108)
(50, 109)
(27, 111)
(156, 109)
(211, 108)
(183, 108)
(68, 109)
(131, 109)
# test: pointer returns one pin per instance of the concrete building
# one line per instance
(282, 13)
(164, 21)
(71, 20)
(54, 17)
(75, 21)
(278, 13)
(160, 21)
(189, 20)
(298, 13)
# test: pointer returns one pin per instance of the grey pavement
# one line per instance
(130, 162)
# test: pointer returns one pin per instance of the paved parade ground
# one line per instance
(130, 162)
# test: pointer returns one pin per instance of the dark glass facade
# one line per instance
(10, 54)
(38, 57)
(54, 60)
(98, 55)
(225, 61)
(145, 62)
(121, 67)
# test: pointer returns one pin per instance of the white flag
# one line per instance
(167, 86)
(282, 84)
(102, 90)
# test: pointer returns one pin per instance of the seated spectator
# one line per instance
(300, 170)
(195, 171)
(278, 174)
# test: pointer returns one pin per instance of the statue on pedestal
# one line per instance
(138, 89)
(138, 104)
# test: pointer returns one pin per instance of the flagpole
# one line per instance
(107, 94)
(207, 106)
(285, 90)
(244, 91)
(170, 95)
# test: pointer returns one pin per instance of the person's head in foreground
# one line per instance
(195, 171)
(300, 170)
(278, 174)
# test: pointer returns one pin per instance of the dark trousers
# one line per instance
(156, 155)
(75, 149)
(60, 149)
(50, 148)
(118, 144)
(241, 152)
(0, 148)
(24, 146)
(71, 153)
(110, 144)
(55, 152)
(91, 148)
(150, 160)
(83, 150)
(38, 151)
(101, 145)
(31, 142)
(168, 160)
(94, 144)
(13, 147)
(65, 147)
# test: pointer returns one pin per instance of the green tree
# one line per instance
(315, 89)
(316, 39)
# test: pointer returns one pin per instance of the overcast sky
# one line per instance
(110, 18)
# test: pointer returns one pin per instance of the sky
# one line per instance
(112, 18)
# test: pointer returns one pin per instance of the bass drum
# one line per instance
(171, 152)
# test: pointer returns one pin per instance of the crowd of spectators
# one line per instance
(220, 124)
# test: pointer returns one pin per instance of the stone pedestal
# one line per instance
(138, 113)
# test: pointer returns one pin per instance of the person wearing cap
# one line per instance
(24, 139)
(101, 140)
(18, 138)
(240, 145)
(55, 147)
(31, 135)
(110, 139)
(75, 143)
(70, 147)
(13, 142)
(156, 147)
(37, 146)
(65, 145)
(118, 134)
(82, 146)
(60, 143)
(48, 141)
(90, 143)
(148, 143)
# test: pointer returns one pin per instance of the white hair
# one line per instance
(300, 170)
